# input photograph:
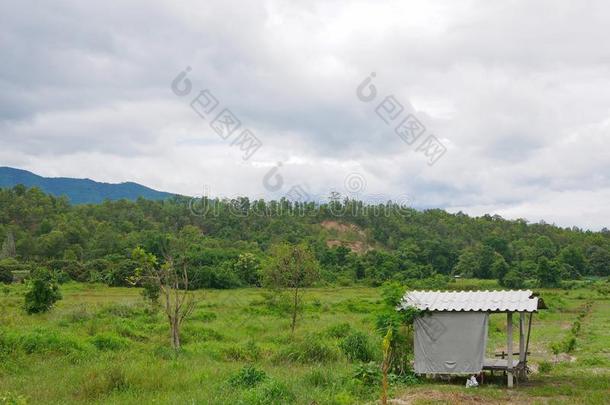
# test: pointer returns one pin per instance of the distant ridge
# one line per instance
(79, 191)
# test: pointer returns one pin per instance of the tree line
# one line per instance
(230, 243)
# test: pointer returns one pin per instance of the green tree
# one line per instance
(43, 292)
(467, 264)
(499, 268)
(247, 268)
(573, 257)
(171, 279)
(512, 280)
(6, 270)
(291, 267)
(8, 246)
(599, 260)
(548, 274)
(544, 247)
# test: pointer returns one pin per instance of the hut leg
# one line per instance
(522, 345)
(509, 341)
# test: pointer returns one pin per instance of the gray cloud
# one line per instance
(517, 91)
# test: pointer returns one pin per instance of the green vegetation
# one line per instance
(107, 345)
(234, 241)
(43, 292)
(162, 304)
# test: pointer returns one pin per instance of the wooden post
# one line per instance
(522, 345)
(509, 341)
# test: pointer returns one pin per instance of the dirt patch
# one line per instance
(356, 247)
(343, 228)
(443, 397)
(564, 357)
(347, 231)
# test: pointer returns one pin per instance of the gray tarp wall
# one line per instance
(450, 342)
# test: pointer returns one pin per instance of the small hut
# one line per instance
(451, 336)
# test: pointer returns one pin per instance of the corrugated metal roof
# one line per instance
(500, 301)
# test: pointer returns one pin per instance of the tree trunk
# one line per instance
(175, 326)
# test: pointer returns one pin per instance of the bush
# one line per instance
(368, 373)
(45, 341)
(43, 292)
(6, 270)
(312, 349)
(151, 292)
(512, 280)
(319, 377)
(339, 330)
(356, 346)
(103, 382)
(108, 341)
(272, 392)
(569, 344)
(392, 293)
(248, 352)
(204, 316)
(248, 376)
(72, 268)
(545, 367)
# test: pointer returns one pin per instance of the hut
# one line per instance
(451, 335)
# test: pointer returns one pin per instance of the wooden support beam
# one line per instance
(522, 345)
(509, 342)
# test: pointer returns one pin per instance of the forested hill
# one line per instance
(79, 191)
(229, 241)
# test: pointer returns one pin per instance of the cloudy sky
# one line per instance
(516, 94)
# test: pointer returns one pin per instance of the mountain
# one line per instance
(79, 191)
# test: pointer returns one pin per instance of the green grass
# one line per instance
(104, 345)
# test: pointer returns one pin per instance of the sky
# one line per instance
(509, 101)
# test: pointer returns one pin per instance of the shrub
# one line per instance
(248, 376)
(545, 367)
(248, 352)
(339, 330)
(43, 292)
(72, 268)
(272, 392)
(319, 377)
(43, 341)
(409, 378)
(204, 316)
(119, 310)
(311, 349)
(356, 346)
(103, 382)
(151, 292)
(569, 344)
(392, 293)
(6, 270)
(512, 280)
(368, 373)
(78, 314)
(107, 341)
(195, 333)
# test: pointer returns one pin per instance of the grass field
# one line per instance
(105, 345)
